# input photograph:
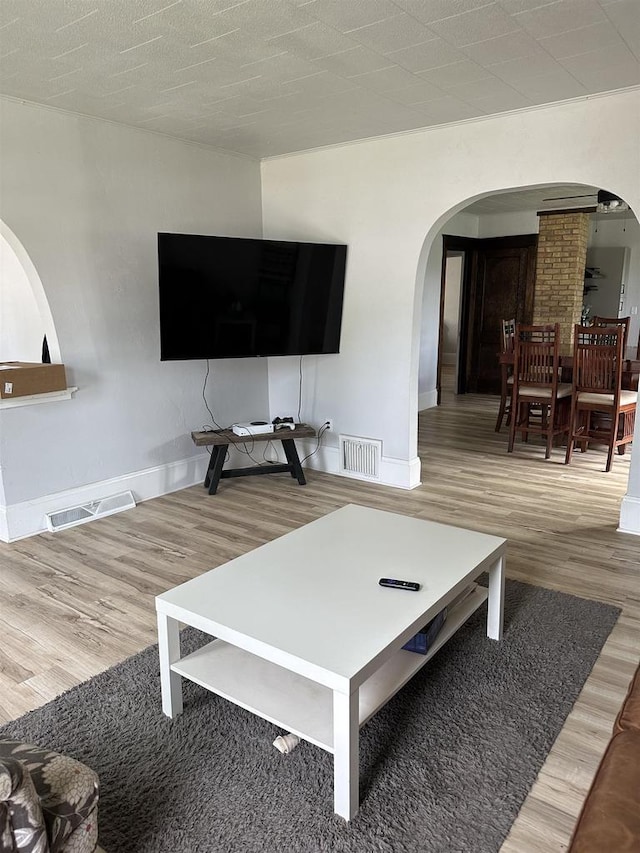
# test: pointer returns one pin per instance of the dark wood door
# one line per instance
(503, 288)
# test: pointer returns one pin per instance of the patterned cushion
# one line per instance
(21, 818)
(66, 803)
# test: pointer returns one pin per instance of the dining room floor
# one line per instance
(477, 405)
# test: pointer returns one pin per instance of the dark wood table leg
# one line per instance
(216, 462)
(213, 455)
(291, 452)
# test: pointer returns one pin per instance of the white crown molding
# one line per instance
(474, 120)
(226, 152)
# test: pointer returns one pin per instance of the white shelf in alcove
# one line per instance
(32, 399)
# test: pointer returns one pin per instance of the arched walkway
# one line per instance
(465, 219)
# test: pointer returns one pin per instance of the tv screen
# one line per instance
(234, 297)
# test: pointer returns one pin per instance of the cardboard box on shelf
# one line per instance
(23, 378)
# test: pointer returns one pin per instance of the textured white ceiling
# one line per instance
(267, 77)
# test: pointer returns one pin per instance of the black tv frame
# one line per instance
(242, 297)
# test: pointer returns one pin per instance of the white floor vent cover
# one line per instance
(64, 518)
(360, 457)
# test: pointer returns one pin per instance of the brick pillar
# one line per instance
(561, 261)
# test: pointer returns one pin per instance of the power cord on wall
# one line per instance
(204, 387)
(324, 428)
(242, 447)
(268, 446)
(300, 389)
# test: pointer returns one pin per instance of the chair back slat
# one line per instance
(623, 322)
(539, 404)
(598, 359)
(537, 356)
(507, 334)
(599, 411)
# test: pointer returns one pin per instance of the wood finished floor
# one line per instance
(75, 602)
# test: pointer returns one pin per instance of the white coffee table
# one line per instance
(306, 637)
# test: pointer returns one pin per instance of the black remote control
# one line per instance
(396, 584)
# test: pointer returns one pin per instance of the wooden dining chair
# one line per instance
(536, 375)
(597, 392)
(507, 333)
(614, 321)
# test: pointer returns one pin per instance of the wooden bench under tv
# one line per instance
(219, 441)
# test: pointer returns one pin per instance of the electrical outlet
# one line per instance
(328, 423)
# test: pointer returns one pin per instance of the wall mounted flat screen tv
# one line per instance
(234, 297)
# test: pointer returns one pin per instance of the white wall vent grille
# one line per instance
(71, 516)
(360, 457)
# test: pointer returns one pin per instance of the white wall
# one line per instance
(21, 326)
(388, 198)
(605, 297)
(86, 198)
(620, 233)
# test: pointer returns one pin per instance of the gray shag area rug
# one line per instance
(445, 766)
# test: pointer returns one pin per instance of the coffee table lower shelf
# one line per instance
(296, 703)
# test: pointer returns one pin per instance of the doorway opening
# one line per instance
(449, 341)
(496, 281)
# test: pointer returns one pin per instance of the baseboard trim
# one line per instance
(399, 473)
(630, 515)
(4, 529)
(18, 521)
(427, 400)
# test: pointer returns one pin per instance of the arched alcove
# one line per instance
(507, 213)
(613, 233)
(25, 316)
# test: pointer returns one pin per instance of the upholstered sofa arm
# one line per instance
(22, 827)
(610, 818)
(67, 793)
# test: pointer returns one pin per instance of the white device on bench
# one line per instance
(252, 428)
